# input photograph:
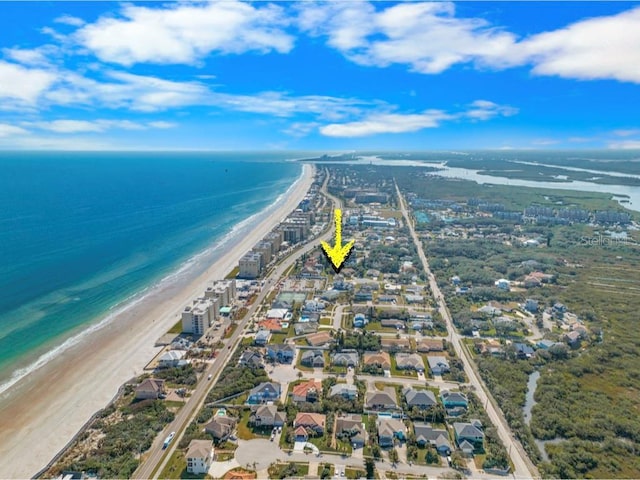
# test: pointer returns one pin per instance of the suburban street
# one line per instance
(159, 456)
(524, 468)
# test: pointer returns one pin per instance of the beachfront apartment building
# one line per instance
(264, 248)
(199, 316)
(250, 265)
(224, 291)
(275, 238)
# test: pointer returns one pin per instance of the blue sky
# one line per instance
(334, 75)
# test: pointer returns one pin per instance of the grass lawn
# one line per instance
(278, 338)
(282, 470)
(301, 367)
(224, 455)
(244, 431)
(326, 321)
(177, 467)
(354, 473)
(230, 330)
(233, 273)
(329, 466)
(177, 328)
(401, 373)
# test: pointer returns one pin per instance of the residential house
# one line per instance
(427, 435)
(359, 320)
(346, 358)
(467, 448)
(300, 434)
(381, 400)
(438, 365)
(265, 392)
(395, 344)
(470, 431)
(380, 359)
(221, 427)
(545, 344)
(393, 323)
(250, 358)
(313, 421)
(491, 347)
(308, 391)
(422, 399)
(572, 338)
(454, 399)
(262, 337)
(389, 429)
(351, 427)
(199, 456)
(319, 339)
(409, 361)
(523, 350)
(281, 352)
(305, 328)
(150, 388)
(267, 416)
(272, 325)
(347, 391)
(531, 305)
(312, 358)
(172, 358)
(430, 345)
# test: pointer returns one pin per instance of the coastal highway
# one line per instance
(524, 468)
(155, 459)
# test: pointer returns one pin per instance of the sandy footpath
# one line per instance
(45, 409)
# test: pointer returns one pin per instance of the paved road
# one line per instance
(524, 468)
(155, 454)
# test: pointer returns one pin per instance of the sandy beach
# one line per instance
(44, 410)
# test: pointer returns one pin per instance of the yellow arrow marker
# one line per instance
(338, 253)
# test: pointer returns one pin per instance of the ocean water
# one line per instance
(83, 233)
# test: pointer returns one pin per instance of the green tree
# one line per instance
(370, 467)
(393, 456)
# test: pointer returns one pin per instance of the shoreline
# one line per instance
(47, 407)
(191, 266)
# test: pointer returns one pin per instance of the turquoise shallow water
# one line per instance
(80, 233)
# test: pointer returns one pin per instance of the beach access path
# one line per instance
(42, 412)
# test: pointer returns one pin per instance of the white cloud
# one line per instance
(485, 110)
(625, 145)
(429, 38)
(386, 123)
(31, 57)
(185, 33)
(283, 105)
(596, 48)
(162, 124)
(300, 129)
(23, 85)
(626, 132)
(426, 36)
(544, 142)
(94, 126)
(126, 90)
(70, 20)
(7, 130)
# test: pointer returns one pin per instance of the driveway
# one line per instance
(261, 451)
